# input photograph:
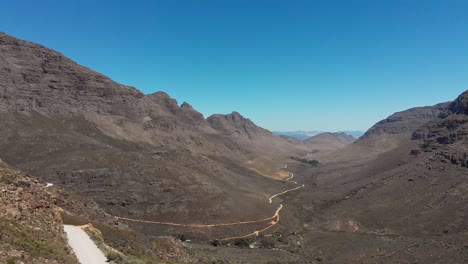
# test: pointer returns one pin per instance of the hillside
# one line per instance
(329, 141)
(402, 124)
(398, 205)
(160, 183)
(387, 134)
(135, 155)
(30, 224)
(303, 135)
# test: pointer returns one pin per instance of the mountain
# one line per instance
(405, 122)
(354, 133)
(329, 141)
(137, 155)
(409, 196)
(302, 135)
(147, 173)
(447, 136)
(236, 125)
(388, 134)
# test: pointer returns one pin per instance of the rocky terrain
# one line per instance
(403, 205)
(135, 155)
(396, 195)
(30, 223)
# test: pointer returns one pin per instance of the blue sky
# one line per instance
(287, 65)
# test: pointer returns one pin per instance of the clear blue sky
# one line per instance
(287, 65)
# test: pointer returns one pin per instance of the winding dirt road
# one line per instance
(203, 225)
(274, 219)
(281, 193)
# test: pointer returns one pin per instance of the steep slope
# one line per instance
(136, 155)
(447, 136)
(398, 206)
(266, 152)
(235, 124)
(30, 224)
(401, 125)
(387, 134)
(252, 137)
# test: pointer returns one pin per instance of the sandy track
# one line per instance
(85, 249)
(281, 193)
(254, 233)
(203, 225)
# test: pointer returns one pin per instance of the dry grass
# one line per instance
(268, 168)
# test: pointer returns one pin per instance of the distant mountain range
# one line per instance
(302, 135)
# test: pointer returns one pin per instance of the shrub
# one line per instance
(314, 163)
(267, 242)
(113, 256)
(182, 237)
(242, 243)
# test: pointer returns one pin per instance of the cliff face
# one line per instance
(35, 78)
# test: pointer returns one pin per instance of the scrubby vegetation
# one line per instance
(30, 229)
(314, 163)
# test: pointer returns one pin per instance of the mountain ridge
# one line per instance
(77, 128)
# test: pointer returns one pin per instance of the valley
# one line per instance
(154, 181)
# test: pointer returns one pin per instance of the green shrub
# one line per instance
(242, 243)
(113, 256)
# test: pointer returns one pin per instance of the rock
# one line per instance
(460, 105)
(235, 124)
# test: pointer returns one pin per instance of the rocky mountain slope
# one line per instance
(30, 223)
(400, 126)
(236, 125)
(387, 134)
(447, 136)
(397, 195)
(137, 155)
(405, 204)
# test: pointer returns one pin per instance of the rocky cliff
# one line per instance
(235, 124)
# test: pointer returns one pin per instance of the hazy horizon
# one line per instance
(300, 65)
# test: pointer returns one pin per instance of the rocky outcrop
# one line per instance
(35, 78)
(460, 105)
(406, 122)
(447, 135)
(235, 124)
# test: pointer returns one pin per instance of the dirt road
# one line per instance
(85, 249)
(275, 216)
